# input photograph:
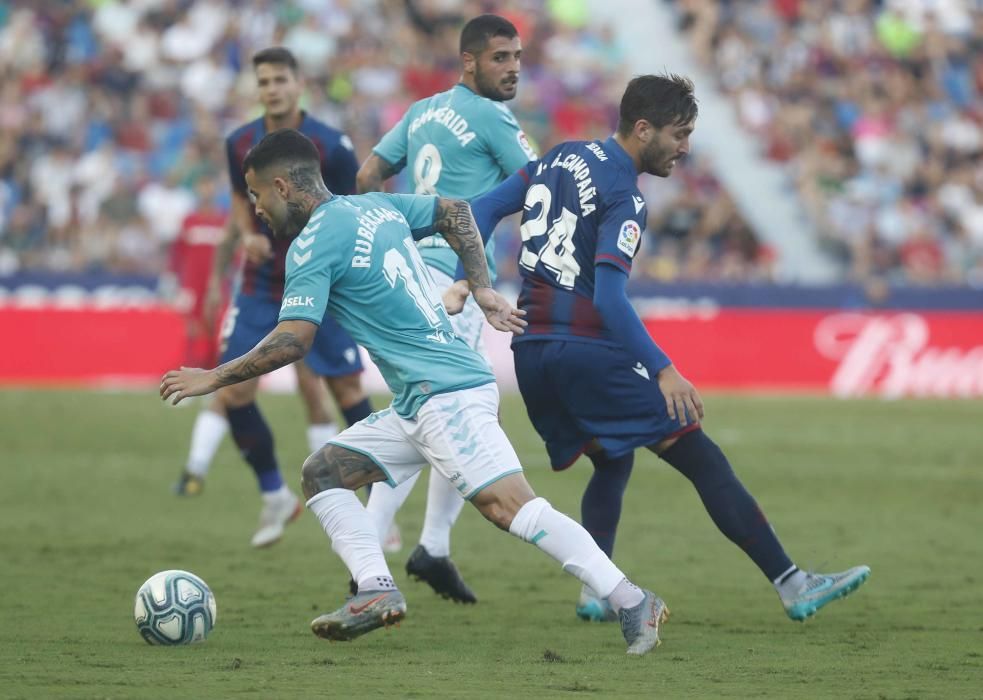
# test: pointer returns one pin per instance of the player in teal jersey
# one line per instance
(458, 143)
(354, 258)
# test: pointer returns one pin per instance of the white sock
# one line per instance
(625, 595)
(280, 494)
(353, 537)
(444, 504)
(206, 436)
(794, 579)
(318, 435)
(569, 543)
(385, 500)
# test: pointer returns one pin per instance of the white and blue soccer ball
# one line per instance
(174, 607)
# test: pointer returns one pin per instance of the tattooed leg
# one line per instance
(336, 467)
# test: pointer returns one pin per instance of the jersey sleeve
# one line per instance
(236, 177)
(341, 167)
(313, 264)
(507, 141)
(420, 212)
(619, 233)
(392, 147)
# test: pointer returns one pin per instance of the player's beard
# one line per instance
(494, 90)
(293, 222)
(657, 160)
(297, 218)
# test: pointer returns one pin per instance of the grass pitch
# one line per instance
(86, 516)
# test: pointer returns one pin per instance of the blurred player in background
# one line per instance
(592, 379)
(459, 143)
(191, 262)
(355, 258)
(256, 303)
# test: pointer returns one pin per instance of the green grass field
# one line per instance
(87, 515)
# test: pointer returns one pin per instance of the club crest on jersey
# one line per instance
(524, 145)
(628, 238)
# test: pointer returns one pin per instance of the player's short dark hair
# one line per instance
(286, 147)
(277, 55)
(658, 99)
(478, 31)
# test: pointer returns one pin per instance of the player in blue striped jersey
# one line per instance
(256, 304)
(592, 379)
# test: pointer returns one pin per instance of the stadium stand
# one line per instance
(112, 111)
(874, 109)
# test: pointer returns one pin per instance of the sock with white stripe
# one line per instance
(570, 544)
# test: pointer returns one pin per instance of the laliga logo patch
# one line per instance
(524, 145)
(628, 238)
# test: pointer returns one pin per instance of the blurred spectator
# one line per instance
(875, 107)
(112, 113)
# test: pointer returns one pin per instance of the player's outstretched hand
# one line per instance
(683, 401)
(499, 312)
(456, 296)
(185, 382)
(257, 248)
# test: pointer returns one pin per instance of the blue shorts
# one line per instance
(576, 393)
(249, 320)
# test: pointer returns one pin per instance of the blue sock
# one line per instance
(600, 508)
(255, 442)
(353, 414)
(731, 507)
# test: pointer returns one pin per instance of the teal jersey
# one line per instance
(357, 260)
(459, 145)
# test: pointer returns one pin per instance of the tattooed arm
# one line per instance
(286, 343)
(373, 173)
(454, 221)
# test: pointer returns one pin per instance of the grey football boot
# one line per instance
(640, 624)
(361, 613)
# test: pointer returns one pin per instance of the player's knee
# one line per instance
(321, 472)
(500, 502)
(337, 467)
(237, 395)
(347, 390)
(699, 458)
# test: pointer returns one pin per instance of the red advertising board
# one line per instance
(888, 354)
(50, 345)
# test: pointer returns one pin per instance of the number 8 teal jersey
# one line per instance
(457, 144)
(357, 260)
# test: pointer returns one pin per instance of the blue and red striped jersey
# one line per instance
(338, 167)
(582, 208)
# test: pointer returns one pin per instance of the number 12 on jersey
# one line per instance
(557, 251)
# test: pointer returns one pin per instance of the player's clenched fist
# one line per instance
(683, 401)
(185, 382)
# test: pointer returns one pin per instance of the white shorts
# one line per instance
(468, 324)
(456, 433)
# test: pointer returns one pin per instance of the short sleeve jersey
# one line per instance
(338, 168)
(582, 208)
(458, 144)
(357, 259)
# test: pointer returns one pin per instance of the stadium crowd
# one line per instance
(875, 109)
(113, 114)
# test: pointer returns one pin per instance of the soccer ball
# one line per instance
(174, 607)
